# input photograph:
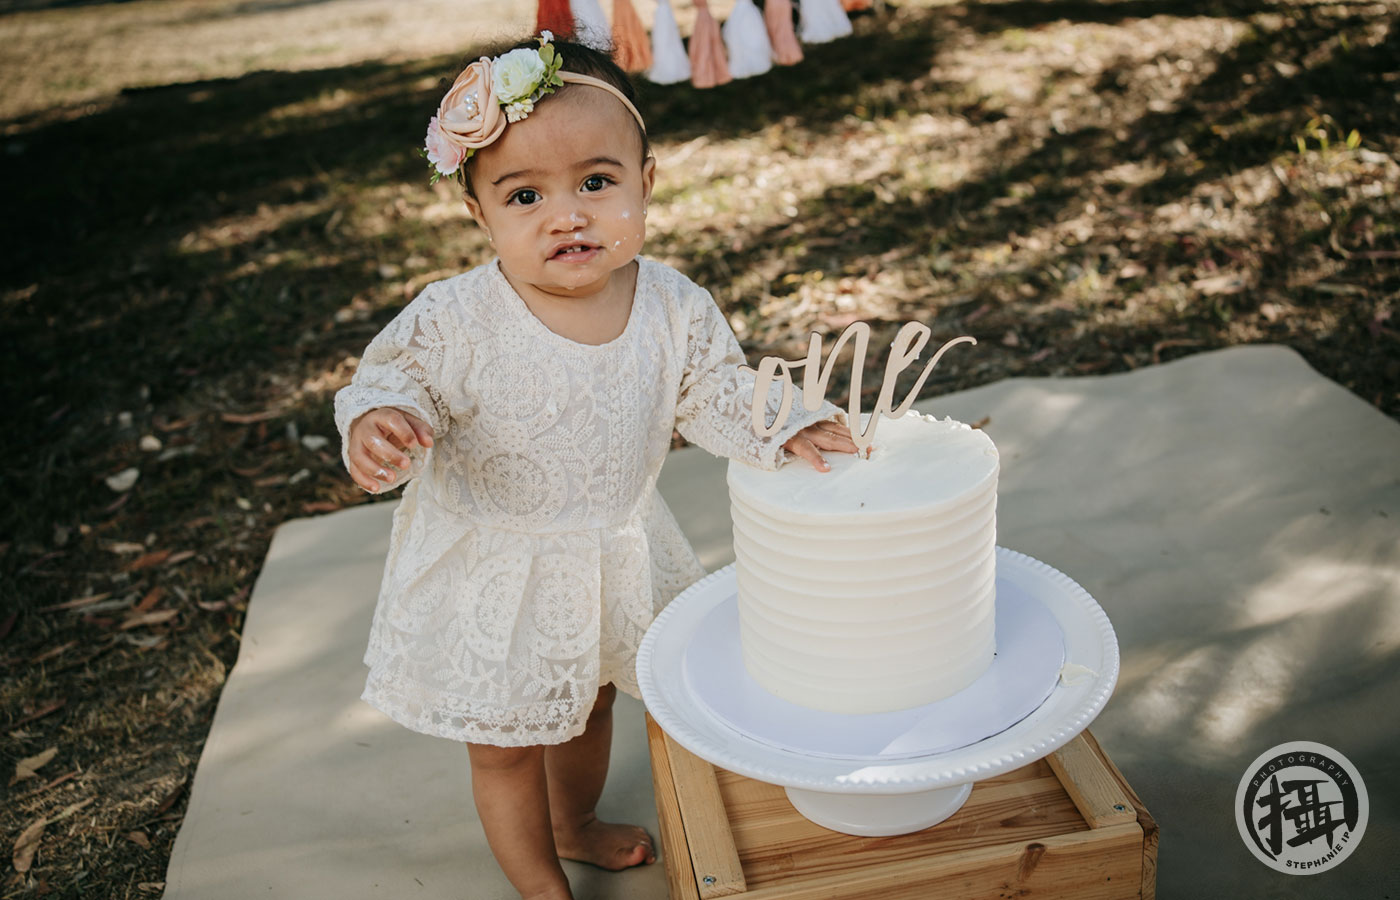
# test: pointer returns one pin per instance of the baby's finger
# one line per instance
(363, 480)
(397, 425)
(421, 430)
(384, 453)
(808, 451)
(830, 440)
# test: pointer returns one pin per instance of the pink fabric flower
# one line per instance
(442, 153)
(469, 116)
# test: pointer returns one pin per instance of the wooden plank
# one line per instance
(712, 853)
(680, 876)
(1144, 819)
(776, 843)
(1098, 795)
(1096, 864)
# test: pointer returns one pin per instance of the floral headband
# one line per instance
(491, 92)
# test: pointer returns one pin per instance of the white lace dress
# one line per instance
(531, 549)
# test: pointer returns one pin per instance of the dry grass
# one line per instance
(210, 217)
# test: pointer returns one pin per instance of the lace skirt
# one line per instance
(502, 637)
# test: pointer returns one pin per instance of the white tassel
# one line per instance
(746, 38)
(822, 21)
(590, 25)
(669, 61)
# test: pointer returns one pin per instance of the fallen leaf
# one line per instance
(211, 605)
(249, 418)
(151, 599)
(150, 443)
(29, 766)
(179, 557)
(124, 480)
(1224, 283)
(249, 473)
(73, 604)
(40, 713)
(139, 838)
(27, 844)
(170, 798)
(314, 442)
(164, 425)
(72, 808)
(54, 651)
(977, 313)
(125, 547)
(149, 559)
(150, 618)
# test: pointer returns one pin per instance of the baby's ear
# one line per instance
(648, 178)
(473, 207)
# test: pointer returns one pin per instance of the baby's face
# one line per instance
(563, 192)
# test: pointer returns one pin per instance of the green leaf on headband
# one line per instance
(547, 53)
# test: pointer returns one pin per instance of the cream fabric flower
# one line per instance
(516, 75)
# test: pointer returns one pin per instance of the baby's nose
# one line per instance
(568, 218)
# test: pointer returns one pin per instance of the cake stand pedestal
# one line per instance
(887, 773)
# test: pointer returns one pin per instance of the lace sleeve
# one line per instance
(400, 368)
(714, 408)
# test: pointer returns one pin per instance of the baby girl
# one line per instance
(528, 406)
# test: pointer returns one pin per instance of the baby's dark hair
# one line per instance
(576, 57)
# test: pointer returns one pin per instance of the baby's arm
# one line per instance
(392, 410)
(714, 407)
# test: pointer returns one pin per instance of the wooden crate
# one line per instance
(1067, 826)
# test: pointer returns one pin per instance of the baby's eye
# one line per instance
(596, 182)
(524, 197)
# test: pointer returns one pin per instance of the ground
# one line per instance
(212, 206)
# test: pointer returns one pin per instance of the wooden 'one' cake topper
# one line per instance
(910, 341)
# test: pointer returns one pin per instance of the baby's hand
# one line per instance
(378, 439)
(810, 441)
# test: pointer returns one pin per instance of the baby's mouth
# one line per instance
(574, 250)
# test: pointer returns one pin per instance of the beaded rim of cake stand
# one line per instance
(877, 778)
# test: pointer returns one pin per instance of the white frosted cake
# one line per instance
(870, 587)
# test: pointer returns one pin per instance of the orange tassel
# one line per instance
(777, 14)
(708, 67)
(855, 5)
(631, 48)
(555, 16)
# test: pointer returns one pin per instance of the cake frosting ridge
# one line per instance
(870, 587)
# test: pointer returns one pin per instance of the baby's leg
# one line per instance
(511, 793)
(577, 770)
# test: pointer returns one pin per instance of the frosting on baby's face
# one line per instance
(563, 194)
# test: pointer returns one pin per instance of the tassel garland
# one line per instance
(777, 15)
(822, 21)
(669, 62)
(631, 48)
(751, 41)
(708, 67)
(746, 38)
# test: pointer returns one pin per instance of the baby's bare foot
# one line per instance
(605, 845)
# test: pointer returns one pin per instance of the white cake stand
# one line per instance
(890, 773)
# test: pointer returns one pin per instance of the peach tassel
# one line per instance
(777, 14)
(631, 47)
(707, 64)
